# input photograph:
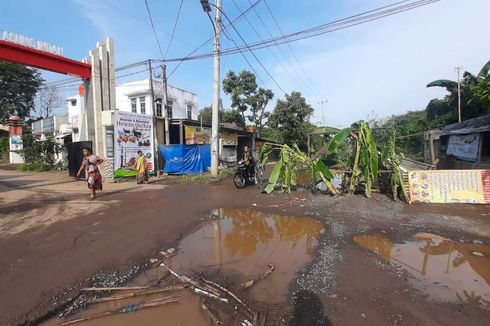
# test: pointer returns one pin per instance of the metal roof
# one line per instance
(480, 124)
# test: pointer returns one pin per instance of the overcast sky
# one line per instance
(379, 67)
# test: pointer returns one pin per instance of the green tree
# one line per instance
(475, 98)
(246, 97)
(229, 116)
(292, 117)
(18, 88)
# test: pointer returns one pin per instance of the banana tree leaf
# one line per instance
(320, 167)
(338, 139)
(484, 71)
(448, 84)
(274, 177)
(374, 168)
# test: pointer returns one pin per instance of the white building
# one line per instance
(136, 97)
(74, 105)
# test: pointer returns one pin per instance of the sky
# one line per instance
(375, 69)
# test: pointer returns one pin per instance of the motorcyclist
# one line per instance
(248, 160)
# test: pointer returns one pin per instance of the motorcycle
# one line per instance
(242, 176)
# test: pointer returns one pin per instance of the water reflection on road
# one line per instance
(448, 270)
(243, 242)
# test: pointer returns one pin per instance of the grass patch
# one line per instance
(36, 167)
(207, 177)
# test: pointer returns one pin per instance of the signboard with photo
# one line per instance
(449, 186)
(132, 132)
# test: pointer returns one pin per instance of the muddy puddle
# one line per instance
(243, 243)
(443, 269)
(231, 247)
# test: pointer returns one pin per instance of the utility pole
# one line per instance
(323, 113)
(458, 69)
(155, 142)
(216, 92)
(215, 112)
(164, 104)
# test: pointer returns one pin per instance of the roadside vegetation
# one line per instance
(39, 155)
(207, 177)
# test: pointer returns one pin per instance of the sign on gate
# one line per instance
(132, 132)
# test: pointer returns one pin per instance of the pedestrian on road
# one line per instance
(140, 168)
(91, 164)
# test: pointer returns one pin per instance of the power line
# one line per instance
(260, 37)
(288, 45)
(153, 27)
(256, 58)
(173, 30)
(142, 20)
(181, 60)
(318, 30)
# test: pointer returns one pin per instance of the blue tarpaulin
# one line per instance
(186, 159)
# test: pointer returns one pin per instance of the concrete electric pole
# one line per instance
(323, 113)
(216, 92)
(458, 69)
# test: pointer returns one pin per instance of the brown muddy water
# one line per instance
(236, 244)
(443, 269)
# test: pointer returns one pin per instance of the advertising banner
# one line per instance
(464, 147)
(449, 186)
(197, 135)
(132, 132)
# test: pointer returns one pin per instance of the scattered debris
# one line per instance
(136, 294)
(210, 314)
(198, 288)
(153, 260)
(248, 284)
(115, 288)
(169, 253)
(477, 253)
(231, 294)
(246, 323)
(125, 309)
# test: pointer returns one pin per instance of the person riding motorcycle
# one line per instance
(249, 161)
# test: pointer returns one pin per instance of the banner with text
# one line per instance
(449, 186)
(132, 132)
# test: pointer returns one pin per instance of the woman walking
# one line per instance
(91, 165)
(140, 168)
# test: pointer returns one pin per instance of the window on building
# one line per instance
(169, 109)
(142, 105)
(133, 105)
(109, 141)
(73, 102)
(189, 111)
(485, 149)
(159, 107)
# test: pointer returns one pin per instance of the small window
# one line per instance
(189, 111)
(169, 109)
(142, 105)
(73, 102)
(133, 105)
(159, 107)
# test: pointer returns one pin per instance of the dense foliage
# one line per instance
(291, 116)
(247, 97)
(365, 166)
(4, 147)
(18, 88)
(227, 116)
(475, 98)
(40, 154)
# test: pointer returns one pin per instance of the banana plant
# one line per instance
(391, 161)
(365, 168)
(285, 171)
